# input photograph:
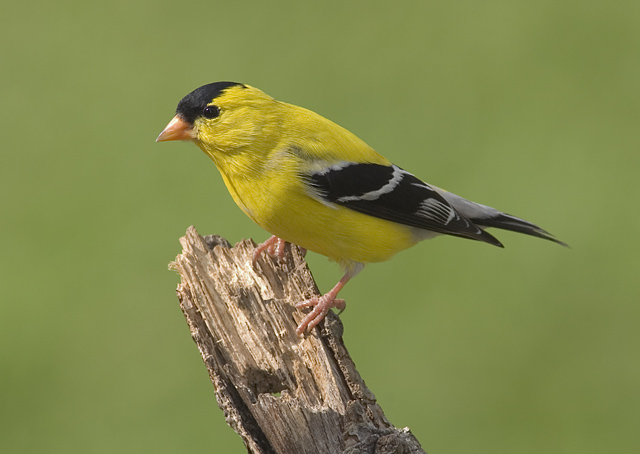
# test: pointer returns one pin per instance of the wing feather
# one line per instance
(391, 193)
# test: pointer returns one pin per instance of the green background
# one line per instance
(531, 107)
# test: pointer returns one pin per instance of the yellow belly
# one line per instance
(344, 235)
(287, 211)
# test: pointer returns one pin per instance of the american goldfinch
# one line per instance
(310, 182)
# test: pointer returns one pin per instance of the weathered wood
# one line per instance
(279, 392)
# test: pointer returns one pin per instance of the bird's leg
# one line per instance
(321, 305)
(274, 247)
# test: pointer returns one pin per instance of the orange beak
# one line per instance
(177, 129)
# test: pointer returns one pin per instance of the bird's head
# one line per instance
(222, 118)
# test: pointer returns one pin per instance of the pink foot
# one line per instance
(321, 307)
(274, 247)
(322, 304)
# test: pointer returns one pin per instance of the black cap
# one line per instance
(190, 107)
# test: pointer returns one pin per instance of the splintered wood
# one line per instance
(281, 393)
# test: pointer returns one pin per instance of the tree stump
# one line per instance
(281, 393)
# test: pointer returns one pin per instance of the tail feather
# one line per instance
(485, 216)
(507, 222)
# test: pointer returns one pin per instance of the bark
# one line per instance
(281, 393)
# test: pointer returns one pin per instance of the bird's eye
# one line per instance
(211, 112)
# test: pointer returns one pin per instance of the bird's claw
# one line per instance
(321, 306)
(274, 246)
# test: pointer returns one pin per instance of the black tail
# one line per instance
(507, 222)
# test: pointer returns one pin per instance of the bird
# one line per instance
(313, 183)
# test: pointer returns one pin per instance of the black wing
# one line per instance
(390, 193)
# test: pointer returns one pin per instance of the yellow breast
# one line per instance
(280, 204)
(263, 168)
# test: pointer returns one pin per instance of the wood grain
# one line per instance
(279, 392)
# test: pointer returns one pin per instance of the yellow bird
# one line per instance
(310, 182)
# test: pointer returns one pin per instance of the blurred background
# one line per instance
(531, 107)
